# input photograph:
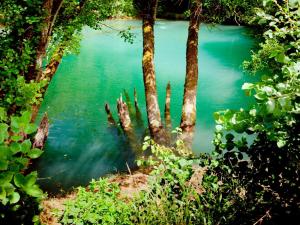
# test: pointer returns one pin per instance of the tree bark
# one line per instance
(42, 46)
(124, 117)
(167, 108)
(42, 133)
(126, 124)
(188, 116)
(51, 9)
(153, 111)
(52, 66)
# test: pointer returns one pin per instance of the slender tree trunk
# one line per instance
(167, 108)
(51, 9)
(42, 46)
(188, 116)
(153, 111)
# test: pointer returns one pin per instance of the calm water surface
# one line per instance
(81, 146)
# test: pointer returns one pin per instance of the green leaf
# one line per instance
(3, 114)
(30, 128)
(5, 177)
(35, 153)
(14, 197)
(16, 138)
(34, 191)
(3, 164)
(30, 179)
(15, 124)
(19, 180)
(23, 161)
(3, 132)
(270, 105)
(26, 117)
(281, 143)
(15, 148)
(282, 58)
(25, 146)
(2, 194)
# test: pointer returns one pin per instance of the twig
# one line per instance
(263, 217)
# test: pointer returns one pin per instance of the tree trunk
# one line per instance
(42, 46)
(48, 74)
(167, 108)
(188, 116)
(153, 111)
(42, 133)
(51, 9)
(52, 66)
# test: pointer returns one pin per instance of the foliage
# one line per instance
(271, 170)
(16, 151)
(179, 192)
(213, 11)
(99, 204)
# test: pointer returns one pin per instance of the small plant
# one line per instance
(97, 204)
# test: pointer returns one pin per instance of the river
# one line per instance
(81, 146)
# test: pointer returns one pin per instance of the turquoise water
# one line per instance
(81, 146)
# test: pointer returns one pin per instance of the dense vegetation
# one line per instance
(241, 182)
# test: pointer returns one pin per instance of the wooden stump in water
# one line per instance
(110, 117)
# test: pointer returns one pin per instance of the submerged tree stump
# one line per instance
(110, 117)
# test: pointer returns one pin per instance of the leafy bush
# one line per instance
(271, 170)
(19, 193)
(179, 192)
(98, 204)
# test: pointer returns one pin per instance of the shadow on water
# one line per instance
(81, 146)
